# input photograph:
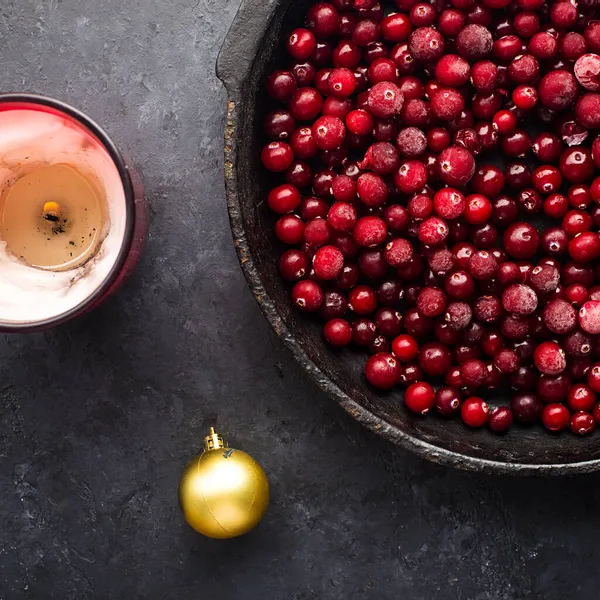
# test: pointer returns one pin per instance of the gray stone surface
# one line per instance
(98, 418)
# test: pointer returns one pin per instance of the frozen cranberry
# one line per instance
(544, 279)
(416, 113)
(474, 412)
(328, 262)
(572, 46)
(593, 377)
(549, 358)
(582, 423)
(484, 76)
(473, 373)
(589, 317)
(411, 142)
(519, 299)
(507, 361)
(452, 70)
(543, 46)
(558, 89)
(369, 231)
(433, 231)
(587, 110)
(556, 417)
(431, 301)
(474, 42)
(426, 44)
(449, 203)
(385, 99)
(419, 398)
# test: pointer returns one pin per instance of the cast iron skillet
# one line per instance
(251, 50)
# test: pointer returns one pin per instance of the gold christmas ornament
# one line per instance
(223, 493)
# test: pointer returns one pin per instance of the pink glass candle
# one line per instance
(73, 216)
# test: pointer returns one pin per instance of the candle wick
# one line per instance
(51, 211)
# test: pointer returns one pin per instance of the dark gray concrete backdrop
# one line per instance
(98, 418)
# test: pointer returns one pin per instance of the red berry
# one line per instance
(556, 417)
(500, 419)
(419, 398)
(582, 423)
(383, 371)
(549, 358)
(474, 412)
(338, 332)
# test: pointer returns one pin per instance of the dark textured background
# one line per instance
(97, 419)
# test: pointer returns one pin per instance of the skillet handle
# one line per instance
(242, 43)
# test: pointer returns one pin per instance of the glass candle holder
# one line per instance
(73, 215)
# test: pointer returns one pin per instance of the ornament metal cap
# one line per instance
(214, 441)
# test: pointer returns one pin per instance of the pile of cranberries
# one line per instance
(404, 238)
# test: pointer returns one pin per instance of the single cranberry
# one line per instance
(293, 265)
(366, 31)
(576, 164)
(405, 347)
(411, 177)
(431, 301)
(582, 423)
(369, 231)
(328, 262)
(526, 24)
(585, 247)
(549, 358)
(419, 398)
(521, 240)
(385, 99)
(474, 42)
(416, 324)
(307, 295)
(395, 28)
(581, 397)
(434, 358)
(452, 70)
(557, 89)
(306, 104)
(556, 417)
(519, 299)
(364, 332)
(426, 44)
(338, 332)
(459, 285)
(456, 166)
(484, 76)
(572, 46)
(447, 401)
(473, 373)
(500, 419)
(362, 300)
(516, 144)
(507, 361)
(474, 412)
(383, 371)
(526, 408)
(589, 317)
